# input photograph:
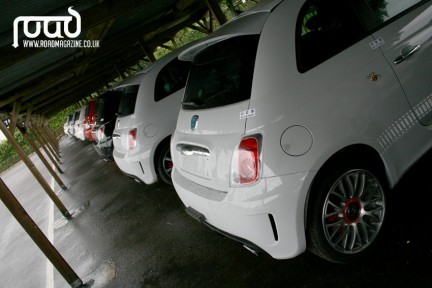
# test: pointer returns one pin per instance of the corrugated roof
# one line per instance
(47, 80)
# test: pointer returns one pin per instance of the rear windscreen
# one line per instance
(107, 106)
(128, 99)
(221, 74)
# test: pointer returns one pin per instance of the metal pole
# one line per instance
(41, 156)
(38, 237)
(34, 171)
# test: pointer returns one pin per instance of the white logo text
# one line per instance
(46, 21)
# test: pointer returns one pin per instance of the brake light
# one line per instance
(132, 139)
(246, 161)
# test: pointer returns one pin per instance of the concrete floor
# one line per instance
(125, 234)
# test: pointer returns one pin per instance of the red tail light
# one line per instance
(246, 161)
(132, 139)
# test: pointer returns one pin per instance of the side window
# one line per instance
(171, 79)
(325, 28)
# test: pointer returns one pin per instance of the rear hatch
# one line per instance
(105, 113)
(212, 119)
(125, 116)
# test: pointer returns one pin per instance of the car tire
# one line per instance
(346, 212)
(164, 163)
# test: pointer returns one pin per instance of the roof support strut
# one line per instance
(41, 156)
(34, 171)
(38, 236)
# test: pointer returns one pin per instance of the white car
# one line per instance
(146, 119)
(79, 123)
(298, 119)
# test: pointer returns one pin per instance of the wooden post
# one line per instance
(53, 144)
(215, 9)
(45, 143)
(34, 171)
(231, 7)
(39, 126)
(147, 51)
(14, 116)
(38, 236)
(50, 133)
(47, 152)
(41, 156)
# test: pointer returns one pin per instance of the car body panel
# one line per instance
(103, 128)
(79, 123)
(90, 120)
(353, 98)
(403, 35)
(154, 122)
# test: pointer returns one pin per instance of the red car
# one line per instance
(90, 120)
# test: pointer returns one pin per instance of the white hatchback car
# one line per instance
(147, 117)
(299, 117)
(79, 123)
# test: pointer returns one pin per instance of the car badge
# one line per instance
(373, 76)
(194, 122)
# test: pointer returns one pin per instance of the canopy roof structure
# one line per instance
(113, 36)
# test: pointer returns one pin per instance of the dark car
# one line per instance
(108, 104)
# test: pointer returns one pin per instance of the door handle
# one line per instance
(406, 55)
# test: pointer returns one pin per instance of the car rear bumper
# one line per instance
(104, 150)
(268, 216)
(137, 166)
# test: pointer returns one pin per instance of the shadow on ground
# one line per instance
(132, 235)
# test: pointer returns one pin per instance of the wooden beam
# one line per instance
(215, 9)
(14, 116)
(34, 171)
(27, 137)
(38, 237)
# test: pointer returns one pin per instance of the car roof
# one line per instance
(248, 23)
(137, 78)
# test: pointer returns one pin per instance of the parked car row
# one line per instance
(132, 123)
(296, 121)
(75, 123)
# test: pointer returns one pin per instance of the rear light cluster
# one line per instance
(100, 134)
(132, 139)
(246, 161)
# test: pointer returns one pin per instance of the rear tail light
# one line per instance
(246, 161)
(101, 133)
(132, 139)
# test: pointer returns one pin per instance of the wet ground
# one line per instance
(125, 234)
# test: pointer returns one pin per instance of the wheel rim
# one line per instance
(167, 163)
(353, 211)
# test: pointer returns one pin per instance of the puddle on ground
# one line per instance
(74, 213)
(102, 275)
